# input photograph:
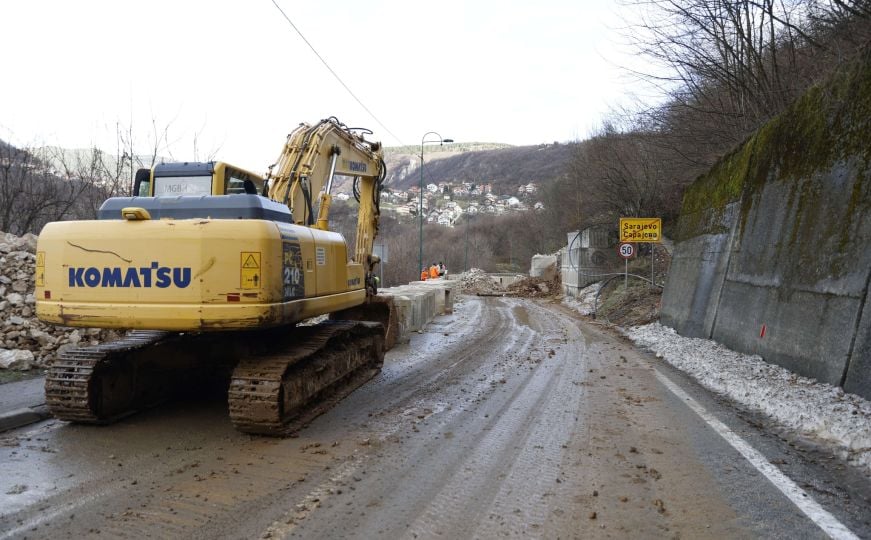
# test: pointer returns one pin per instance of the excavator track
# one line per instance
(282, 379)
(73, 389)
(277, 394)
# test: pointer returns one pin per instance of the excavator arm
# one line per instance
(310, 160)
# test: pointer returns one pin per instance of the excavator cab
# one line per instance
(196, 178)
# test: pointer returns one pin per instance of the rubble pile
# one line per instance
(537, 287)
(476, 281)
(25, 342)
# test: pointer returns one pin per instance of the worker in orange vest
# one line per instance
(424, 273)
(433, 271)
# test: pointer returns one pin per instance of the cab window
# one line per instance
(234, 182)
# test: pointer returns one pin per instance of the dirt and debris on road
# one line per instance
(476, 281)
(536, 287)
(510, 416)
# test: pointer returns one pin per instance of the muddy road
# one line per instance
(507, 418)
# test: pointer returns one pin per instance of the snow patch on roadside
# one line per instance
(584, 303)
(840, 420)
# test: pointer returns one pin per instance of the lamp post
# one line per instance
(420, 206)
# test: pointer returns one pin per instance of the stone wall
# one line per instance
(773, 243)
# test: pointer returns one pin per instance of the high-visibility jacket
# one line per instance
(424, 274)
(433, 272)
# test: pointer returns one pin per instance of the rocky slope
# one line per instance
(25, 342)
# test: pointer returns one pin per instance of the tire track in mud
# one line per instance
(460, 464)
(520, 450)
(422, 387)
(424, 369)
(537, 465)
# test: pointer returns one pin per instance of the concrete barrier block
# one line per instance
(419, 302)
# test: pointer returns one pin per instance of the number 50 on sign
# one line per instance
(641, 230)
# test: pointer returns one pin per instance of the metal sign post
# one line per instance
(627, 251)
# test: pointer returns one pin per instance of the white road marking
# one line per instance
(824, 520)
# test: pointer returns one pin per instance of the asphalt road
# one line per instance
(507, 418)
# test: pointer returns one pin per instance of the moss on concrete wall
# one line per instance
(828, 127)
(776, 236)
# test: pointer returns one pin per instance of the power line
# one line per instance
(324, 62)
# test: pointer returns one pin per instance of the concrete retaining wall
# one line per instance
(773, 255)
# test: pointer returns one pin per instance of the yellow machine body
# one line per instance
(192, 274)
(148, 265)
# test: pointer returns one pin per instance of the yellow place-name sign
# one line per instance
(641, 230)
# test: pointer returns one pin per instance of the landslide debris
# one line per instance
(476, 281)
(25, 342)
(537, 287)
(623, 304)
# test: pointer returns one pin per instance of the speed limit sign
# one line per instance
(627, 251)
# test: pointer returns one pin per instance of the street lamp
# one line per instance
(420, 206)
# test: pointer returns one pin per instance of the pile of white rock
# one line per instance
(476, 281)
(25, 342)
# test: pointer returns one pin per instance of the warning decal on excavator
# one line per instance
(40, 269)
(249, 272)
(292, 271)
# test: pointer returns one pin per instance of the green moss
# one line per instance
(829, 125)
(705, 202)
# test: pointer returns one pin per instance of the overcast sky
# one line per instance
(238, 78)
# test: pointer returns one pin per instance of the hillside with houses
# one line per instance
(444, 203)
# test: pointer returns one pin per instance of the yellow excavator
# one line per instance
(210, 268)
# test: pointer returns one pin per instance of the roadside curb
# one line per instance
(22, 417)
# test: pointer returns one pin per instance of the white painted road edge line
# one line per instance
(824, 520)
